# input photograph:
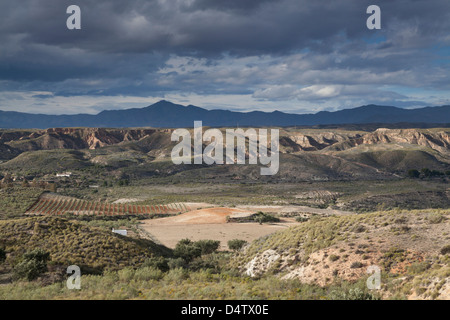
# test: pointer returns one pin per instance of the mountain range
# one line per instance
(165, 114)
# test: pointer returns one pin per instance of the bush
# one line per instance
(126, 274)
(159, 263)
(148, 273)
(356, 265)
(418, 267)
(413, 173)
(426, 172)
(359, 229)
(176, 275)
(176, 263)
(33, 264)
(333, 257)
(207, 246)
(201, 264)
(352, 294)
(2, 255)
(236, 244)
(435, 218)
(446, 249)
(187, 250)
(262, 217)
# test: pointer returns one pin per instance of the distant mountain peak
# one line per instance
(166, 114)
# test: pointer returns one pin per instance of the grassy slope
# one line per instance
(403, 273)
(402, 243)
(15, 201)
(70, 242)
(46, 161)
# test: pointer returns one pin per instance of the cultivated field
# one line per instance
(52, 204)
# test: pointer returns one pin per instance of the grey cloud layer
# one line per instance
(273, 50)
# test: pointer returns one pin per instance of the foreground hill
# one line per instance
(323, 258)
(165, 114)
(71, 242)
(410, 248)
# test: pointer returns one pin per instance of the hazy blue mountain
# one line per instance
(166, 114)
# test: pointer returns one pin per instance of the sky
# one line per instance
(297, 56)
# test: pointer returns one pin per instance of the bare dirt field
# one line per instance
(211, 224)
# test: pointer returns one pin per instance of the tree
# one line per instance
(426, 172)
(187, 250)
(413, 173)
(262, 217)
(436, 173)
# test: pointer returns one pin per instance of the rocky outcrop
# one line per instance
(439, 141)
(319, 140)
(303, 140)
(261, 263)
(72, 138)
(436, 140)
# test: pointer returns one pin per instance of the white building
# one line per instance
(121, 232)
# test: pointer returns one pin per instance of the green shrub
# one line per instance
(393, 256)
(359, 229)
(352, 294)
(148, 273)
(236, 244)
(189, 250)
(176, 263)
(418, 267)
(413, 173)
(201, 264)
(126, 274)
(333, 257)
(176, 275)
(356, 265)
(435, 218)
(159, 263)
(262, 217)
(207, 246)
(426, 172)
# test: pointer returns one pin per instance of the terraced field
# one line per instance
(51, 204)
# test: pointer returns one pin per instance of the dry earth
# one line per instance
(211, 224)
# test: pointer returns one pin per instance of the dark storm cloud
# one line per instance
(233, 5)
(259, 47)
(211, 27)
